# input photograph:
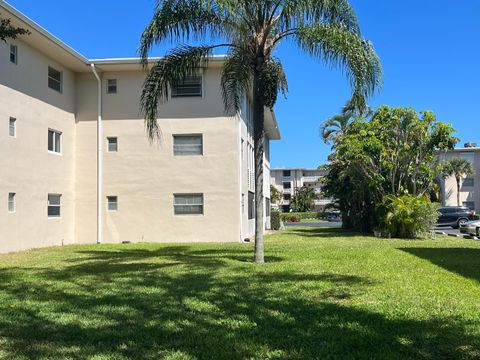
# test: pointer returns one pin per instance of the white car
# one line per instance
(471, 228)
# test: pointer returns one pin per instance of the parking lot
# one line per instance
(451, 232)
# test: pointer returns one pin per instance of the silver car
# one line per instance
(471, 228)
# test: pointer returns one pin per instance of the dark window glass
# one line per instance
(54, 79)
(190, 87)
(251, 205)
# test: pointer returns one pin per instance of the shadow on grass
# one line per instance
(181, 303)
(463, 261)
(319, 232)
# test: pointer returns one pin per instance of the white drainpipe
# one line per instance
(99, 158)
(240, 168)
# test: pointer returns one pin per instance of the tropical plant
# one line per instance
(275, 194)
(336, 126)
(8, 31)
(407, 216)
(394, 153)
(458, 168)
(251, 31)
(304, 199)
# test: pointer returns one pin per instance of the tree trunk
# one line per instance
(458, 190)
(259, 139)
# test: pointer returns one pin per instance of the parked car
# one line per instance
(471, 228)
(334, 216)
(455, 216)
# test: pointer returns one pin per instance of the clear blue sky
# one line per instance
(430, 50)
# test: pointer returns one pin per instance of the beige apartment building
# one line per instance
(288, 180)
(470, 187)
(69, 138)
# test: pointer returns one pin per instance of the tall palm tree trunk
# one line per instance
(459, 184)
(258, 139)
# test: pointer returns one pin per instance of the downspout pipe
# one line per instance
(99, 158)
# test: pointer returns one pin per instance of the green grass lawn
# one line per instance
(322, 294)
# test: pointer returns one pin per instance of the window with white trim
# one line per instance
(112, 203)
(55, 79)
(111, 86)
(11, 202)
(468, 182)
(188, 204)
(54, 205)
(187, 145)
(12, 127)
(192, 86)
(54, 141)
(112, 144)
(13, 54)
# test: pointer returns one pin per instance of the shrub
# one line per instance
(293, 219)
(302, 216)
(406, 216)
(476, 217)
(275, 220)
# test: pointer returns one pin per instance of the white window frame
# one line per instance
(12, 125)
(14, 52)
(108, 86)
(110, 201)
(175, 136)
(177, 206)
(59, 206)
(56, 134)
(109, 138)
(11, 203)
(60, 81)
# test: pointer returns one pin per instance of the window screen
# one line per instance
(54, 205)
(188, 204)
(184, 145)
(192, 86)
(54, 79)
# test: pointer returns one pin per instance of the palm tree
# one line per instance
(336, 126)
(250, 31)
(458, 168)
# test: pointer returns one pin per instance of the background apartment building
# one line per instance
(195, 184)
(287, 181)
(469, 191)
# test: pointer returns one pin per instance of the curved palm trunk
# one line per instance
(259, 139)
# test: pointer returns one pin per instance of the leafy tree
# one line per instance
(251, 31)
(275, 194)
(303, 200)
(394, 153)
(458, 168)
(7, 31)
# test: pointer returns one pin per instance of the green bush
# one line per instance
(275, 220)
(476, 217)
(301, 215)
(406, 216)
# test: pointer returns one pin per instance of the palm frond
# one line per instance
(300, 13)
(236, 79)
(339, 47)
(181, 20)
(181, 63)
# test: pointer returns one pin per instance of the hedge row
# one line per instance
(287, 217)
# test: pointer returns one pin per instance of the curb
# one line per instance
(463, 236)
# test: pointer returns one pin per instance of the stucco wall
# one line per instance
(145, 176)
(467, 193)
(28, 169)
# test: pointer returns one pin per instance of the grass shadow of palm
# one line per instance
(463, 261)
